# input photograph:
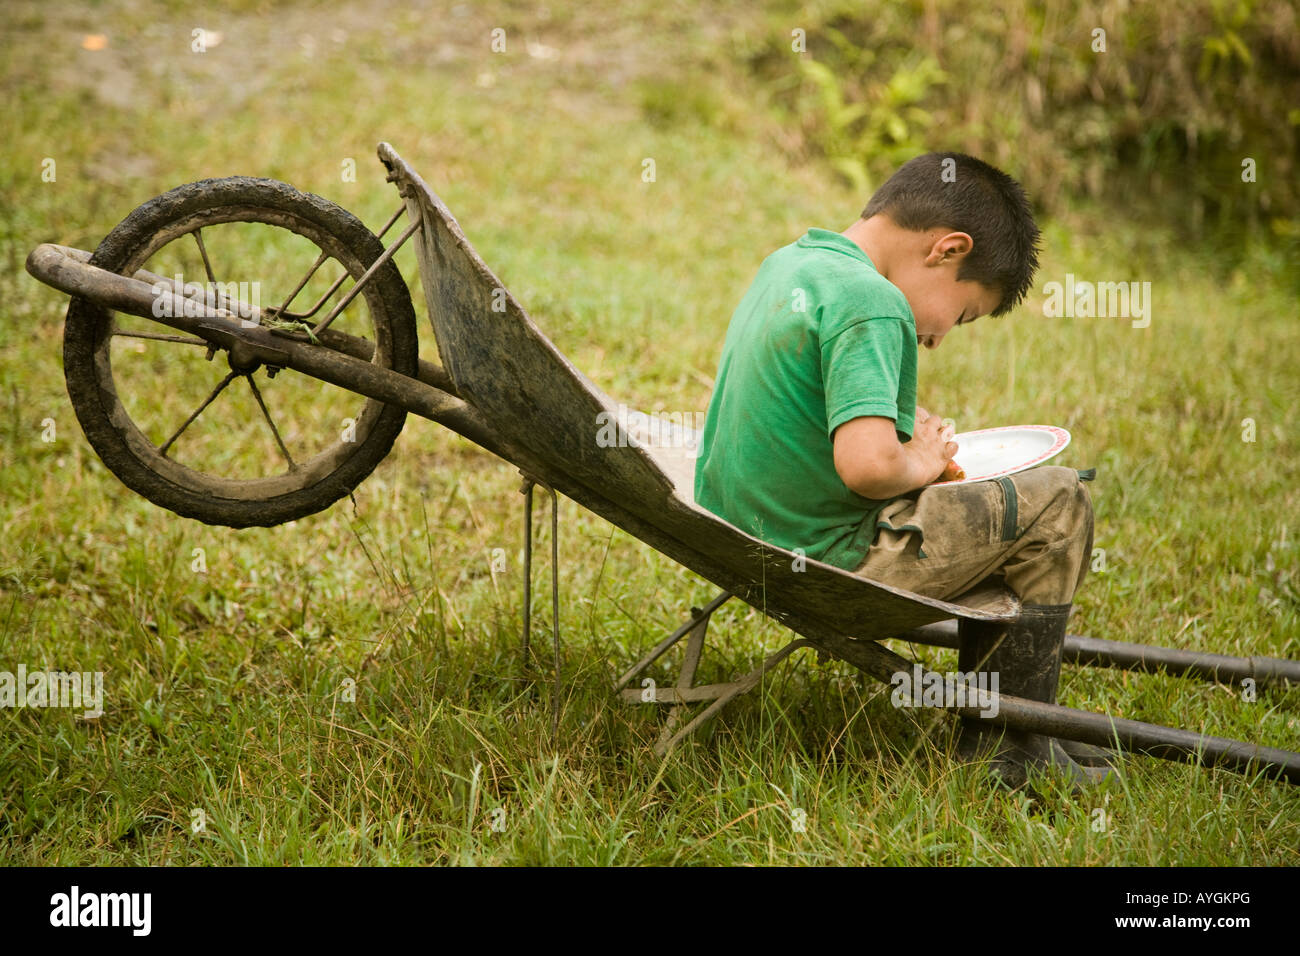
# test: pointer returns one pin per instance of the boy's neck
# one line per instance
(882, 240)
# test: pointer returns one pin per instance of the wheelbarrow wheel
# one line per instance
(186, 424)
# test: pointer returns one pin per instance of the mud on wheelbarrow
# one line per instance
(328, 371)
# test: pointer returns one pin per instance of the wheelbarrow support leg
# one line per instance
(694, 647)
(729, 691)
(527, 490)
(698, 616)
(685, 692)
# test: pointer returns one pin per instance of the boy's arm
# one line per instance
(872, 462)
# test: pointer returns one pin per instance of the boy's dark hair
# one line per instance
(968, 195)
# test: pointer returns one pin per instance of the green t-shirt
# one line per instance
(819, 339)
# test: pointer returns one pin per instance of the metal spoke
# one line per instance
(207, 266)
(213, 297)
(257, 394)
(320, 261)
(198, 411)
(160, 337)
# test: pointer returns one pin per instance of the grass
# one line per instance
(348, 688)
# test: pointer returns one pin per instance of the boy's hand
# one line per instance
(933, 443)
(923, 415)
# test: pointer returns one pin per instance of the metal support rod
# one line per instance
(555, 607)
(673, 638)
(375, 267)
(1098, 652)
(685, 680)
(527, 490)
(694, 649)
(391, 219)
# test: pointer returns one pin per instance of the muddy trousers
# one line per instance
(1032, 530)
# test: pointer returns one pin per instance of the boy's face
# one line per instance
(928, 279)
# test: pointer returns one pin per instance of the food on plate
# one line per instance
(952, 472)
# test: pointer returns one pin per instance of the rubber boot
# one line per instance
(1086, 755)
(1026, 656)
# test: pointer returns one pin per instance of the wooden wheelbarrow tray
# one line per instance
(505, 387)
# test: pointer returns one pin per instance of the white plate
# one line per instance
(994, 452)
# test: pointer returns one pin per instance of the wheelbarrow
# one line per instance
(328, 370)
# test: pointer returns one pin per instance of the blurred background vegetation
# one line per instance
(1148, 109)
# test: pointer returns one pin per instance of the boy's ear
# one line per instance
(952, 246)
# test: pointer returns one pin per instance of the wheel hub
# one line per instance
(242, 359)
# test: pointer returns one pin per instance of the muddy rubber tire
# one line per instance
(134, 458)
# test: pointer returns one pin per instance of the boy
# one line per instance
(813, 438)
